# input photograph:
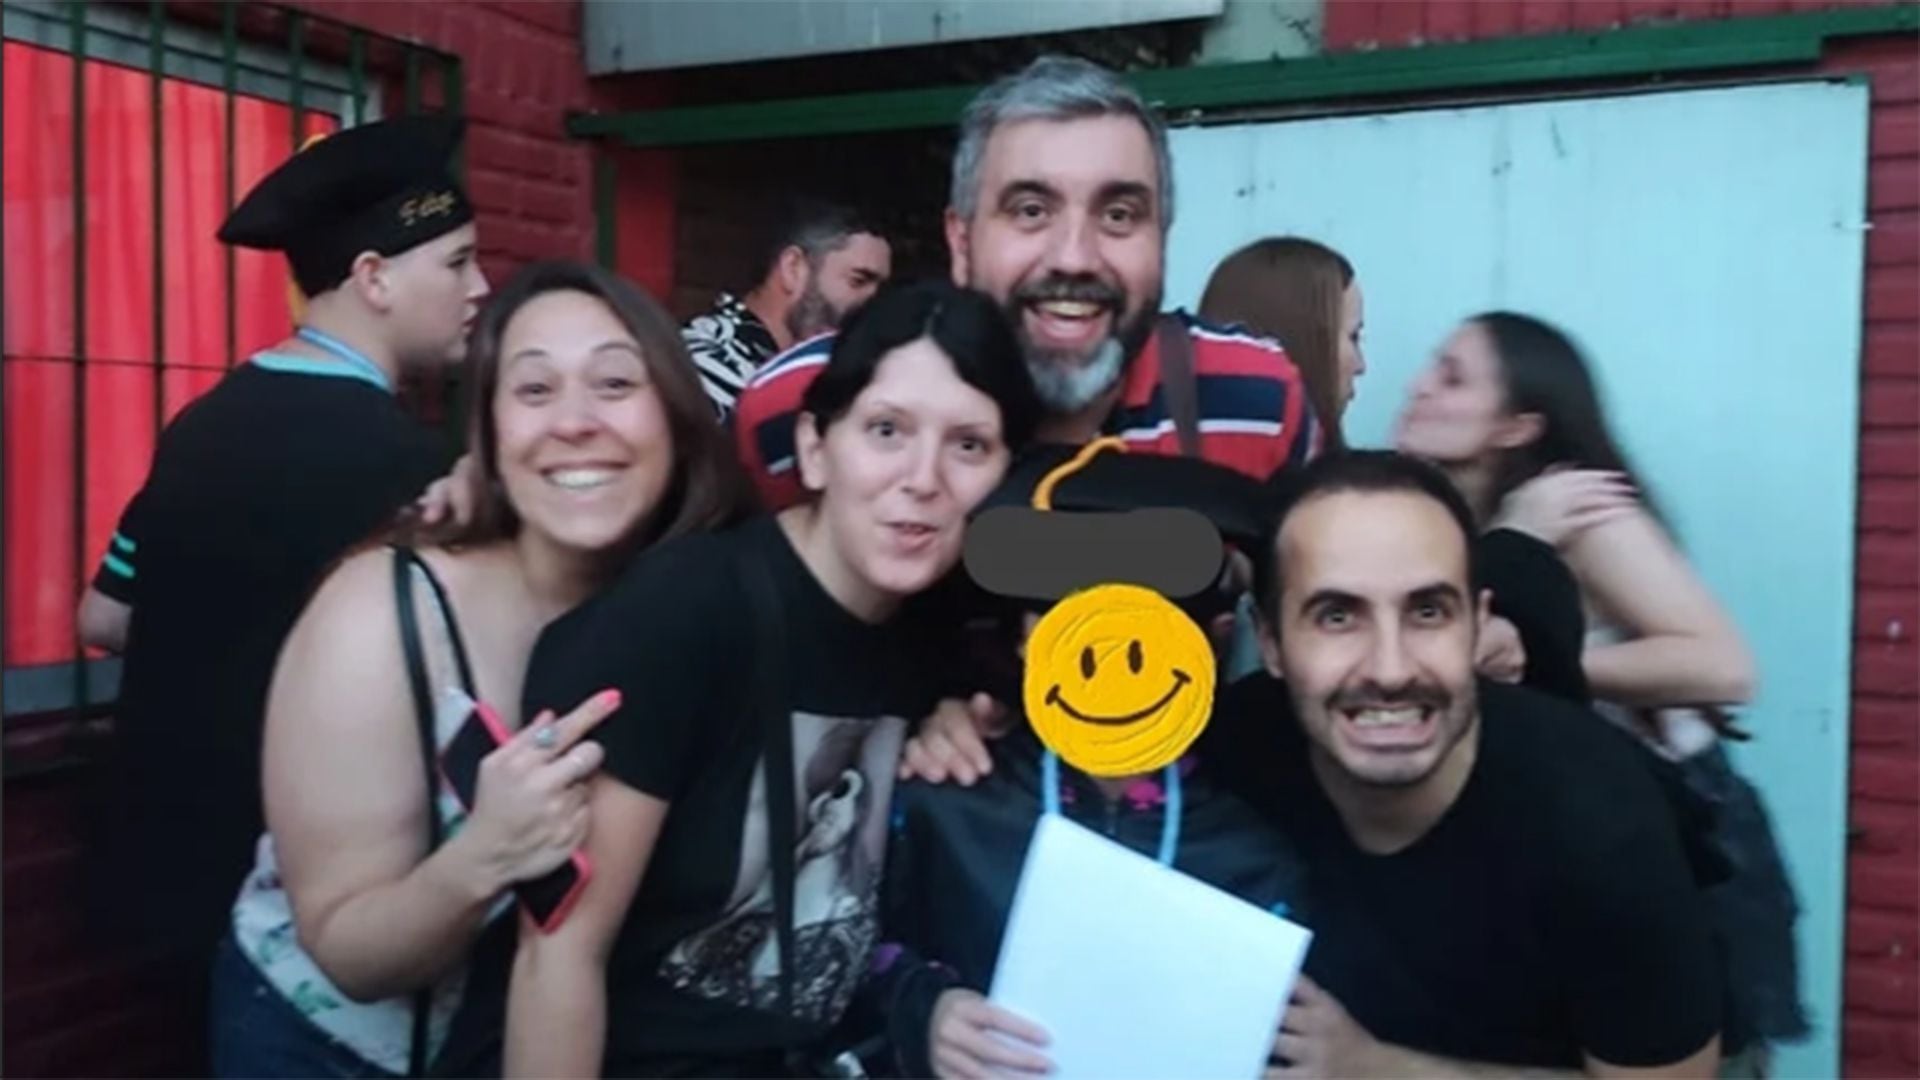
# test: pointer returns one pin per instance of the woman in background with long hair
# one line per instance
(1303, 294)
(1509, 409)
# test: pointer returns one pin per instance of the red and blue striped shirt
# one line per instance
(1252, 408)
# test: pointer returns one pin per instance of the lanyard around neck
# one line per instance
(349, 355)
(1169, 824)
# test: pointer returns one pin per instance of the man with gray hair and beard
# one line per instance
(1061, 201)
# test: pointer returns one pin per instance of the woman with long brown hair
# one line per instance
(1305, 295)
(1510, 409)
(354, 939)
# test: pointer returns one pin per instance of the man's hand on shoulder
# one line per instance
(452, 500)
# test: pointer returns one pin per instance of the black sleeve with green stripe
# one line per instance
(118, 575)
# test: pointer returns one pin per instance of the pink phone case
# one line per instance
(583, 866)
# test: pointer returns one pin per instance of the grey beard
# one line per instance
(1066, 387)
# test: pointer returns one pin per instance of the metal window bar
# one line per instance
(157, 81)
(78, 24)
(296, 50)
(606, 181)
(225, 58)
(229, 76)
(195, 49)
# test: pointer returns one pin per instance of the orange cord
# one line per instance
(1043, 493)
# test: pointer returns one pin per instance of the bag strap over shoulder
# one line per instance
(418, 681)
(770, 698)
(1178, 382)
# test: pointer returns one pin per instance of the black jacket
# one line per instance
(956, 855)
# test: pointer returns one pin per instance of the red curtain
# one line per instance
(121, 383)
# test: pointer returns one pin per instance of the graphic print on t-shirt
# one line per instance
(843, 787)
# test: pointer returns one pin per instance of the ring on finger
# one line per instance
(545, 737)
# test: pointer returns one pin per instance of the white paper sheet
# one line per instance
(1135, 970)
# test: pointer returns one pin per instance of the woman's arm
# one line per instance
(557, 1002)
(1682, 648)
(345, 794)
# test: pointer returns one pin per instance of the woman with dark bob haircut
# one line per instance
(359, 936)
(768, 674)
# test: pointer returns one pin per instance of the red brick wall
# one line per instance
(1352, 24)
(71, 1009)
(1881, 1034)
(532, 186)
(1881, 1021)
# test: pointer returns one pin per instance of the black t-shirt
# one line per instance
(690, 984)
(256, 489)
(1534, 590)
(1548, 914)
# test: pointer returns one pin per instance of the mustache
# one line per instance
(1080, 288)
(1374, 696)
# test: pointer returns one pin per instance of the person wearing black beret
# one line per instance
(254, 490)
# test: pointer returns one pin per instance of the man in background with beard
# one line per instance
(820, 262)
(1061, 201)
(1498, 884)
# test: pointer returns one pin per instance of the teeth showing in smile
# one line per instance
(1069, 309)
(1385, 717)
(580, 479)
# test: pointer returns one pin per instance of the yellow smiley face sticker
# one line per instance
(1118, 681)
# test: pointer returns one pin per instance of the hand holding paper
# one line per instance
(974, 1038)
(1136, 970)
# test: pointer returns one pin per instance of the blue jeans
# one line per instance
(258, 1033)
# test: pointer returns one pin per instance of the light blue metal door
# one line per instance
(1706, 247)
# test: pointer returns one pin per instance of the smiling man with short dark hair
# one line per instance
(1498, 881)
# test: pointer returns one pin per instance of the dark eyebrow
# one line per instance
(984, 431)
(1027, 187)
(1125, 189)
(1324, 597)
(1442, 590)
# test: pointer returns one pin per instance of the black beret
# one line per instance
(385, 187)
